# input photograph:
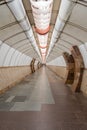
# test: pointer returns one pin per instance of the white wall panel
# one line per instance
(58, 62)
(26, 61)
(3, 51)
(11, 57)
(0, 43)
(17, 59)
(20, 59)
(36, 62)
(14, 58)
(23, 60)
(86, 46)
(29, 59)
(8, 57)
(84, 54)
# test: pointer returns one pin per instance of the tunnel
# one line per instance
(43, 64)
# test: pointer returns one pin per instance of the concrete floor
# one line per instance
(42, 102)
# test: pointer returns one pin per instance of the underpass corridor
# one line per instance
(42, 102)
(43, 64)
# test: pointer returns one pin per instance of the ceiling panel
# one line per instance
(70, 40)
(16, 38)
(63, 43)
(76, 32)
(21, 43)
(79, 16)
(25, 46)
(9, 31)
(6, 16)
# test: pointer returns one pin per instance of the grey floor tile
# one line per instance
(19, 99)
(6, 106)
(10, 99)
(26, 106)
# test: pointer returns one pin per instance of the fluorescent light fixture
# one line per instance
(43, 50)
(43, 40)
(41, 10)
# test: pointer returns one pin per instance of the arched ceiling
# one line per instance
(74, 31)
(12, 32)
(15, 34)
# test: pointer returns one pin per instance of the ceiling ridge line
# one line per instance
(66, 41)
(8, 25)
(13, 36)
(25, 44)
(19, 41)
(77, 26)
(72, 37)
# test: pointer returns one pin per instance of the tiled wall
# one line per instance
(59, 70)
(83, 50)
(9, 76)
(84, 82)
(35, 66)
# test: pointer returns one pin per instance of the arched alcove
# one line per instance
(69, 78)
(78, 70)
